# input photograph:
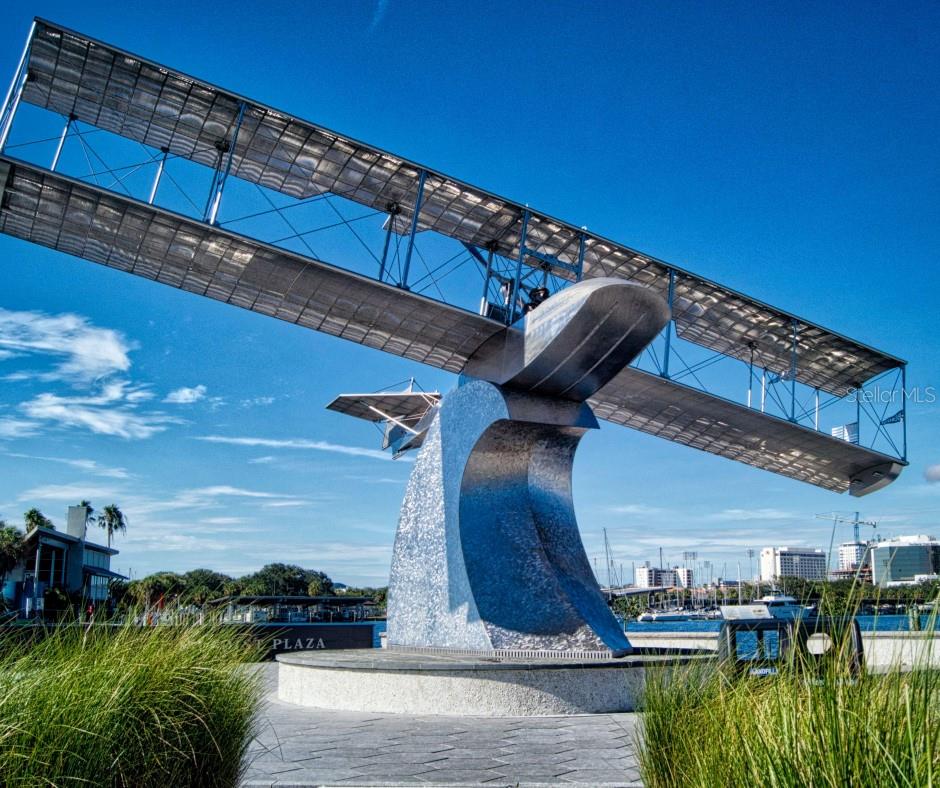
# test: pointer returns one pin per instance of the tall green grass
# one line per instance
(127, 706)
(814, 724)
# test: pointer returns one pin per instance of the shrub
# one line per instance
(708, 726)
(127, 706)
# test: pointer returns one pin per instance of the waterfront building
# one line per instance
(684, 577)
(903, 559)
(63, 560)
(805, 562)
(654, 577)
(851, 555)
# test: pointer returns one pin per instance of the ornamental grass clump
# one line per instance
(813, 724)
(127, 706)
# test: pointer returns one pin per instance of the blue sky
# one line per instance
(788, 150)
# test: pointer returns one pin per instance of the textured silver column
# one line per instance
(488, 557)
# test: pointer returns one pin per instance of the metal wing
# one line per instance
(404, 406)
(115, 90)
(53, 210)
(694, 418)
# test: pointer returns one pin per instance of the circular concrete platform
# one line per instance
(377, 680)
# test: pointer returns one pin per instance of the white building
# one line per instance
(684, 576)
(63, 560)
(652, 577)
(904, 558)
(805, 562)
(851, 555)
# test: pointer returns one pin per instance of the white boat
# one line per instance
(675, 615)
(772, 605)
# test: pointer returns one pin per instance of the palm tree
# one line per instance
(12, 548)
(112, 520)
(36, 519)
(89, 513)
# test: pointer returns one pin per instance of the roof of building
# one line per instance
(69, 539)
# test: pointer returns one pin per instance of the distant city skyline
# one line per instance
(789, 153)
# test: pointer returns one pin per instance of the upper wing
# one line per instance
(112, 89)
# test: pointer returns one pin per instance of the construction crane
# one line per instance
(838, 519)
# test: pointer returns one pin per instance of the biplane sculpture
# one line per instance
(564, 324)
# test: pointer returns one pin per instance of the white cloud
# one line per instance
(752, 514)
(298, 443)
(222, 520)
(256, 402)
(86, 351)
(261, 460)
(932, 473)
(186, 395)
(639, 509)
(381, 8)
(72, 493)
(17, 428)
(224, 489)
(81, 464)
(109, 412)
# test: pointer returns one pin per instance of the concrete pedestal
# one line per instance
(377, 680)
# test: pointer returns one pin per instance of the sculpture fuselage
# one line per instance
(487, 557)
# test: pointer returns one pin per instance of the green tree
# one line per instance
(201, 585)
(36, 519)
(12, 548)
(319, 584)
(277, 580)
(112, 520)
(157, 589)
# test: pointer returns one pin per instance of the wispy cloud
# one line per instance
(735, 515)
(186, 395)
(112, 411)
(267, 459)
(297, 443)
(81, 464)
(86, 352)
(253, 402)
(381, 8)
(17, 428)
(638, 509)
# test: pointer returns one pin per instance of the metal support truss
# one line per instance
(414, 229)
(158, 176)
(393, 211)
(61, 145)
(795, 326)
(670, 302)
(517, 279)
(904, 412)
(12, 100)
(227, 147)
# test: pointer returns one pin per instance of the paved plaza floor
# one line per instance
(299, 746)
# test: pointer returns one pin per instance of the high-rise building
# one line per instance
(905, 559)
(684, 576)
(851, 555)
(805, 562)
(653, 577)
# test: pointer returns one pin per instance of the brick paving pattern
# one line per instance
(302, 747)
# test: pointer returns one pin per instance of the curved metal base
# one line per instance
(488, 557)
